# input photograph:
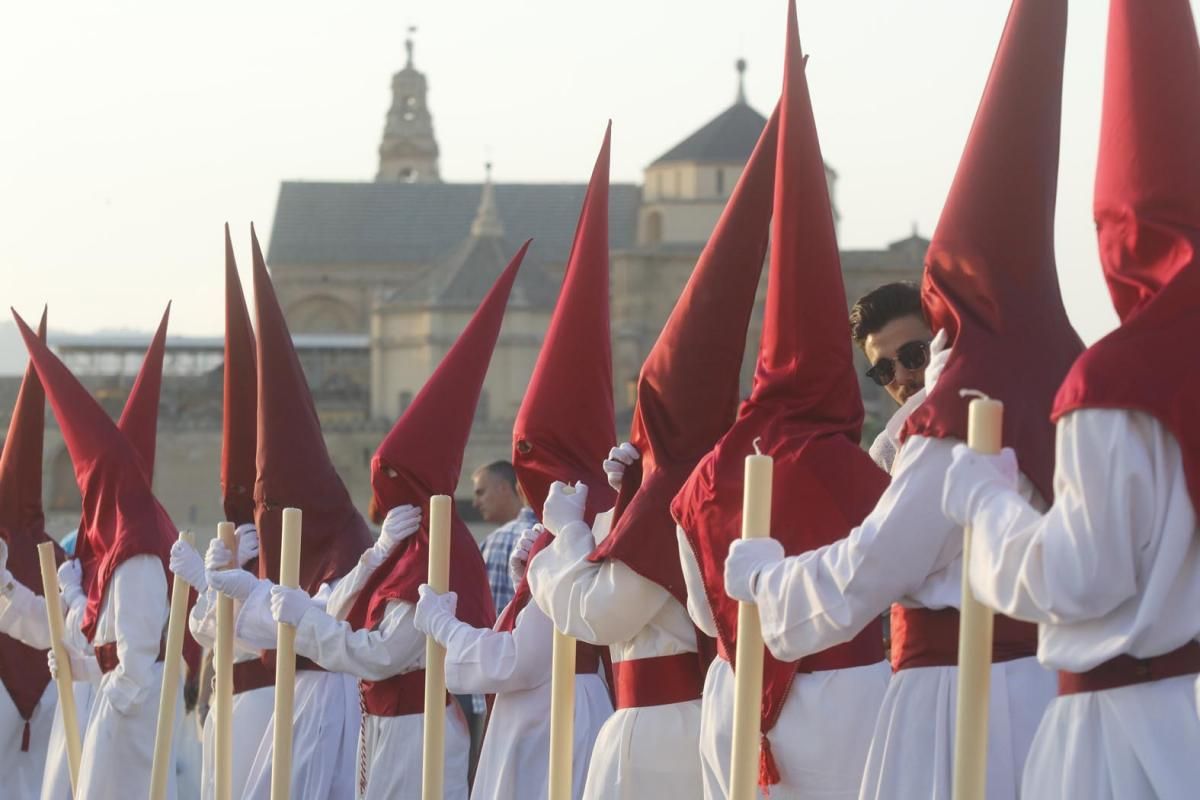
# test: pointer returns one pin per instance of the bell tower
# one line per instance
(409, 151)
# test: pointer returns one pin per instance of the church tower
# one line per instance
(409, 151)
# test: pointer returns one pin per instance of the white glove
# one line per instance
(187, 564)
(399, 524)
(618, 459)
(3, 555)
(435, 613)
(748, 557)
(217, 558)
(235, 583)
(52, 663)
(972, 477)
(564, 505)
(289, 605)
(247, 543)
(939, 356)
(70, 578)
(518, 559)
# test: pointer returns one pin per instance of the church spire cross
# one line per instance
(741, 90)
(408, 46)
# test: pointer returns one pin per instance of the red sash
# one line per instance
(250, 675)
(657, 681)
(397, 696)
(1128, 671)
(926, 637)
(106, 656)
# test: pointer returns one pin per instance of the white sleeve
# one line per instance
(813, 601)
(343, 595)
(601, 603)
(202, 622)
(697, 599)
(23, 616)
(481, 661)
(1077, 561)
(392, 648)
(138, 592)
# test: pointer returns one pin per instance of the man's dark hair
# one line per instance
(881, 305)
(501, 469)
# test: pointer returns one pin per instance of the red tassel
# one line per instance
(25, 738)
(768, 770)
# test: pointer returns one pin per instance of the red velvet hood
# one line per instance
(139, 418)
(239, 424)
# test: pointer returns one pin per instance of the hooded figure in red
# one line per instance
(688, 388)
(293, 467)
(990, 277)
(422, 456)
(804, 409)
(566, 423)
(121, 518)
(239, 420)
(1147, 208)
(23, 669)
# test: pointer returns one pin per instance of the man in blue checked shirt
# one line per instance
(499, 501)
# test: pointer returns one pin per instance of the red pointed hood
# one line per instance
(566, 424)
(688, 389)
(121, 518)
(1147, 208)
(292, 464)
(139, 419)
(21, 467)
(239, 423)
(990, 278)
(805, 410)
(23, 669)
(422, 456)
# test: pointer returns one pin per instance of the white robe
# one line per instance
(252, 709)
(1113, 568)
(906, 551)
(22, 770)
(118, 748)
(23, 617)
(640, 752)
(516, 667)
(326, 716)
(841, 704)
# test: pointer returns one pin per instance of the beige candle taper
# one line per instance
(434, 752)
(562, 716)
(748, 675)
(222, 704)
(163, 765)
(984, 434)
(285, 662)
(65, 681)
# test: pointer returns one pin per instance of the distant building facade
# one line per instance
(378, 278)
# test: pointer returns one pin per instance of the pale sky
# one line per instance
(132, 130)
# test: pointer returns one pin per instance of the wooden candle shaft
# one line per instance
(163, 765)
(65, 681)
(748, 675)
(434, 749)
(975, 637)
(222, 704)
(562, 716)
(285, 662)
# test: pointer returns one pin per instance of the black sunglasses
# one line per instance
(911, 355)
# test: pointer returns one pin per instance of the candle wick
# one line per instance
(757, 448)
(973, 393)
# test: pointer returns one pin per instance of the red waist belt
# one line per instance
(397, 696)
(926, 637)
(1128, 671)
(106, 656)
(658, 681)
(587, 659)
(863, 650)
(250, 675)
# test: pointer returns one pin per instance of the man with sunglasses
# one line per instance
(888, 325)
